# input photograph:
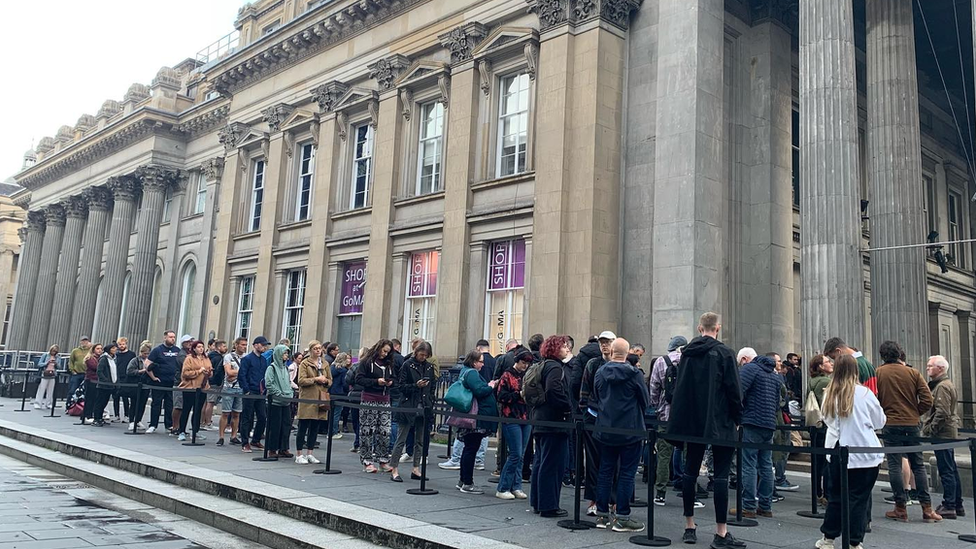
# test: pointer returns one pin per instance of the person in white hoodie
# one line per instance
(852, 414)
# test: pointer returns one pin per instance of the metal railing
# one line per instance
(224, 46)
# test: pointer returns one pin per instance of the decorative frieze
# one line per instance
(276, 114)
(205, 122)
(213, 168)
(327, 95)
(385, 71)
(460, 41)
(553, 13)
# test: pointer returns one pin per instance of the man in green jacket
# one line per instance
(941, 421)
(76, 365)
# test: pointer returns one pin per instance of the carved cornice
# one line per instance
(124, 188)
(327, 95)
(785, 12)
(213, 168)
(461, 40)
(231, 134)
(386, 71)
(98, 198)
(45, 172)
(205, 122)
(339, 24)
(553, 13)
(54, 215)
(36, 221)
(276, 114)
(75, 206)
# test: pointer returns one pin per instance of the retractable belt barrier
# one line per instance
(648, 435)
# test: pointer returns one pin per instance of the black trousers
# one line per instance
(253, 408)
(279, 428)
(308, 432)
(860, 482)
(102, 396)
(138, 408)
(722, 457)
(197, 407)
(592, 452)
(821, 481)
(161, 400)
(472, 442)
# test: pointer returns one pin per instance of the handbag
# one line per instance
(49, 370)
(324, 398)
(458, 395)
(465, 422)
(811, 410)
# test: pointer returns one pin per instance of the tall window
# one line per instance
(505, 300)
(257, 197)
(186, 297)
(421, 296)
(167, 206)
(245, 307)
(6, 324)
(513, 124)
(306, 167)
(795, 135)
(350, 316)
(125, 299)
(201, 195)
(362, 166)
(294, 304)
(430, 151)
(929, 203)
(955, 228)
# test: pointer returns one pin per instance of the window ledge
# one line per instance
(295, 224)
(367, 210)
(245, 236)
(191, 216)
(419, 198)
(501, 181)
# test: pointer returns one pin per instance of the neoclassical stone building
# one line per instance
(458, 169)
(11, 221)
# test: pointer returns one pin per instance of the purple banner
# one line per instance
(506, 265)
(353, 287)
(423, 274)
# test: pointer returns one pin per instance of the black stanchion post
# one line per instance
(54, 397)
(135, 411)
(650, 540)
(845, 500)
(739, 521)
(328, 449)
(423, 490)
(450, 444)
(193, 432)
(971, 538)
(576, 523)
(23, 396)
(265, 456)
(86, 403)
(814, 511)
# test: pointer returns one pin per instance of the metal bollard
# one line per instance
(23, 396)
(814, 511)
(423, 490)
(328, 449)
(845, 499)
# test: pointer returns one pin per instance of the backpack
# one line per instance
(533, 384)
(670, 379)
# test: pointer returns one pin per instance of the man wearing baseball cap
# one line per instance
(251, 379)
(591, 447)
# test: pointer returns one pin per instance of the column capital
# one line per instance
(98, 198)
(462, 40)
(75, 206)
(36, 221)
(54, 215)
(554, 13)
(276, 114)
(327, 95)
(213, 168)
(124, 188)
(387, 70)
(159, 178)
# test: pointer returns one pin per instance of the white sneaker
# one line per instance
(337, 436)
(132, 426)
(404, 458)
(89, 421)
(824, 543)
(150, 430)
(37, 405)
(520, 494)
(140, 425)
(182, 437)
(591, 510)
(479, 466)
(504, 495)
(449, 465)
(301, 460)
(47, 406)
(312, 459)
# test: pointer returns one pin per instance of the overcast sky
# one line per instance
(65, 57)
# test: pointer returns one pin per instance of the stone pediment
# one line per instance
(355, 97)
(503, 38)
(421, 72)
(298, 119)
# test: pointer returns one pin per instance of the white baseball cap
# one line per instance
(607, 334)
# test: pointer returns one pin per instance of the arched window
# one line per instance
(125, 301)
(186, 296)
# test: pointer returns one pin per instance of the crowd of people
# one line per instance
(698, 390)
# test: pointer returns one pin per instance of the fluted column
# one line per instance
(30, 263)
(899, 301)
(76, 208)
(155, 182)
(125, 191)
(83, 314)
(46, 276)
(832, 287)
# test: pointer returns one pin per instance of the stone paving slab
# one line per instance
(485, 516)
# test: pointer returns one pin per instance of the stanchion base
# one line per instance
(419, 492)
(326, 471)
(638, 502)
(571, 524)
(967, 537)
(22, 410)
(744, 523)
(134, 433)
(197, 444)
(810, 514)
(51, 416)
(656, 541)
(264, 459)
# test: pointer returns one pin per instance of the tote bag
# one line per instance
(465, 422)
(458, 395)
(811, 410)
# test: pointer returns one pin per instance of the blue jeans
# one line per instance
(73, 383)
(623, 461)
(516, 437)
(951, 483)
(753, 459)
(334, 414)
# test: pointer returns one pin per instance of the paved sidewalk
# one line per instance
(507, 521)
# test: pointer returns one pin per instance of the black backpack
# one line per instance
(670, 379)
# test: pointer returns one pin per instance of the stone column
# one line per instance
(966, 383)
(155, 182)
(318, 292)
(83, 315)
(46, 276)
(30, 263)
(689, 176)
(125, 189)
(266, 317)
(212, 170)
(832, 285)
(899, 300)
(64, 287)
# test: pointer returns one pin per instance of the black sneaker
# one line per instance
(777, 497)
(659, 499)
(727, 541)
(220, 442)
(235, 440)
(689, 536)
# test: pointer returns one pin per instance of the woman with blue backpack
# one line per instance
(471, 395)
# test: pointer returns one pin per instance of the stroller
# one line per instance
(76, 402)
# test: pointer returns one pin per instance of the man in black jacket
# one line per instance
(591, 447)
(707, 403)
(216, 356)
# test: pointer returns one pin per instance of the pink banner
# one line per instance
(506, 265)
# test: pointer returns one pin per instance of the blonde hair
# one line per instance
(122, 340)
(53, 350)
(341, 359)
(709, 322)
(362, 352)
(838, 398)
(145, 347)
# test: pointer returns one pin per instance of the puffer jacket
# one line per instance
(761, 387)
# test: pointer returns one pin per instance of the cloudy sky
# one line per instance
(65, 57)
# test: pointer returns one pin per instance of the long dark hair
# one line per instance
(373, 353)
